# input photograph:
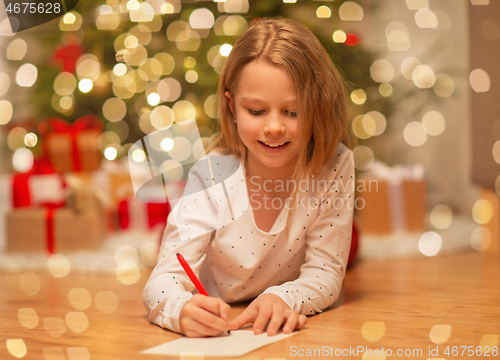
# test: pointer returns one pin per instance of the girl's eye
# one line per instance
(255, 112)
(291, 113)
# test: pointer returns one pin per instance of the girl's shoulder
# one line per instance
(340, 165)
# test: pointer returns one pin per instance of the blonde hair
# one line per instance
(321, 98)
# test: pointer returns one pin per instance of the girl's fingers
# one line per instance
(197, 329)
(291, 322)
(263, 316)
(242, 319)
(276, 321)
(208, 303)
(224, 310)
(301, 322)
(201, 315)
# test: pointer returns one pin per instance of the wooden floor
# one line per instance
(408, 304)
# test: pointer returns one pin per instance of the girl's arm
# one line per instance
(169, 287)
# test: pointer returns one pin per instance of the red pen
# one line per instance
(191, 274)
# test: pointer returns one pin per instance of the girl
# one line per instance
(282, 114)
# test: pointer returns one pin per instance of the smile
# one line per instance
(274, 148)
(274, 145)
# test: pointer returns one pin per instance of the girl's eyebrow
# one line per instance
(290, 101)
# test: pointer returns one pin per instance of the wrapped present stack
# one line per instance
(71, 198)
(394, 199)
(79, 224)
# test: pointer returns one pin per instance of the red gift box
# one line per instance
(72, 147)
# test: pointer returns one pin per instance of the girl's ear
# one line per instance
(230, 102)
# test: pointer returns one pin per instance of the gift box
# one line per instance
(26, 190)
(79, 225)
(391, 199)
(491, 235)
(115, 185)
(72, 147)
(152, 211)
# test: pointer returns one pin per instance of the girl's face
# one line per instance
(266, 116)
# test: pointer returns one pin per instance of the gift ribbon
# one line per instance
(21, 195)
(49, 220)
(55, 125)
(157, 213)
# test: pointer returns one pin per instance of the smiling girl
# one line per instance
(282, 114)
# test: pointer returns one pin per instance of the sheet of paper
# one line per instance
(238, 343)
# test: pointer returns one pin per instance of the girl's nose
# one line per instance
(274, 125)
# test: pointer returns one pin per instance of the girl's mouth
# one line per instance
(273, 147)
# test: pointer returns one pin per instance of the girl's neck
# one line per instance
(261, 173)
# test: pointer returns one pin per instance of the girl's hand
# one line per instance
(269, 307)
(204, 316)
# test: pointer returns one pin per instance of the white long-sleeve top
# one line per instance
(238, 261)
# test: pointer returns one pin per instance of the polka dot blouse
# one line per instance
(213, 227)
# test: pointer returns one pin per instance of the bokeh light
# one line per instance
(26, 75)
(58, 265)
(78, 353)
(110, 153)
(77, 321)
(363, 157)
(85, 85)
(106, 301)
(183, 110)
(114, 109)
(16, 50)
(167, 144)
(430, 243)
(53, 353)
(210, 106)
(4, 87)
(441, 216)
(128, 273)
(433, 123)
(358, 96)
(201, 18)
(482, 211)
(6, 111)
(417, 4)
(79, 298)
(54, 326)
(351, 11)
(181, 149)
(149, 252)
(382, 71)
(480, 238)
(479, 80)
(373, 330)
(440, 334)
(385, 89)
(30, 283)
(426, 19)
(28, 318)
(339, 36)
(423, 77)
(414, 134)
(444, 85)
(323, 12)
(16, 347)
(487, 343)
(22, 160)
